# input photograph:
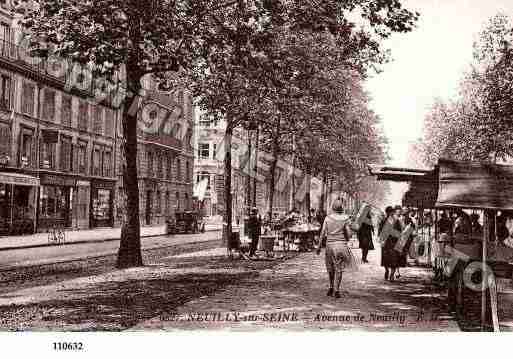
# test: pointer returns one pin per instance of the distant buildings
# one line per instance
(209, 165)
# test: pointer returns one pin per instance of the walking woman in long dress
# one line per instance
(390, 257)
(364, 235)
(339, 258)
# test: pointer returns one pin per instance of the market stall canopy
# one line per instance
(18, 179)
(475, 185)
(423, 191)
(397, 174)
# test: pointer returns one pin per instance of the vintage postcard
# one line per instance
(247, 166)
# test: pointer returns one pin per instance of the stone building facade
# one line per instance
(60, 148)
(165, 162)
(57, 145)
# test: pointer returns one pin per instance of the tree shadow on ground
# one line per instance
(116, 306)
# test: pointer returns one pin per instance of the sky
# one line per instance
(426, 63)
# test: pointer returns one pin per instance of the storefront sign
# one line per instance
(102, 184)
(83, 184)
(57, 180)
(18, 179)
(50, 136)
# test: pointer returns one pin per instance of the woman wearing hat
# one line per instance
(336, 230)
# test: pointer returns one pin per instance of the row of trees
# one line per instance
(292, 67)
(478, 124)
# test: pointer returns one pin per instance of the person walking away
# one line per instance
(408, 222)
(364, 235)
(390, 257)
(254, 225)
(338, 255)
(445, 227)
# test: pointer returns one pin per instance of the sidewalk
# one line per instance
(292, 296)
(206, 290)
(83, 236)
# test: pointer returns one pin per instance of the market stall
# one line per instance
(300, 237)
(473, 263)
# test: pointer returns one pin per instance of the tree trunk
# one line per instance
(255, 168)
(322, 202)
(292, 198)
(247, 193)
(228, 182)
(129, 254)
(308, 180)
(273, 176)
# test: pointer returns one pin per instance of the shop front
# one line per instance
(102, 200)
(18, 193)
(55, 202)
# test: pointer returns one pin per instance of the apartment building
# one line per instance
(60, 149)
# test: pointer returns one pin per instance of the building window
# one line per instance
(188, 139)
(97, 159)
(159, 204)
(160, 165)
(5, 92)
(177, 206)
(166, 204)
(170, 167)
(27, 100)
(187, 171)
(82, 157)
(150, 164)
(54, 202)
(203, 150)
(82, 115)
(26, 147)
(186, 201)
(107, 163)
(47, 153)
(48, 105)
(109, 122)
(98, 120)
(214, 151)
(208, 121)
(5, 141)
(178, 170)
(101, 206)
(66, 110)
(66, 154)
(203, 175)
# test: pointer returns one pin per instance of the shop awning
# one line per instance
(397, 174)
(422, 192)
(475, 185)
(18, 179)
(421, 195)
(200, 189)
